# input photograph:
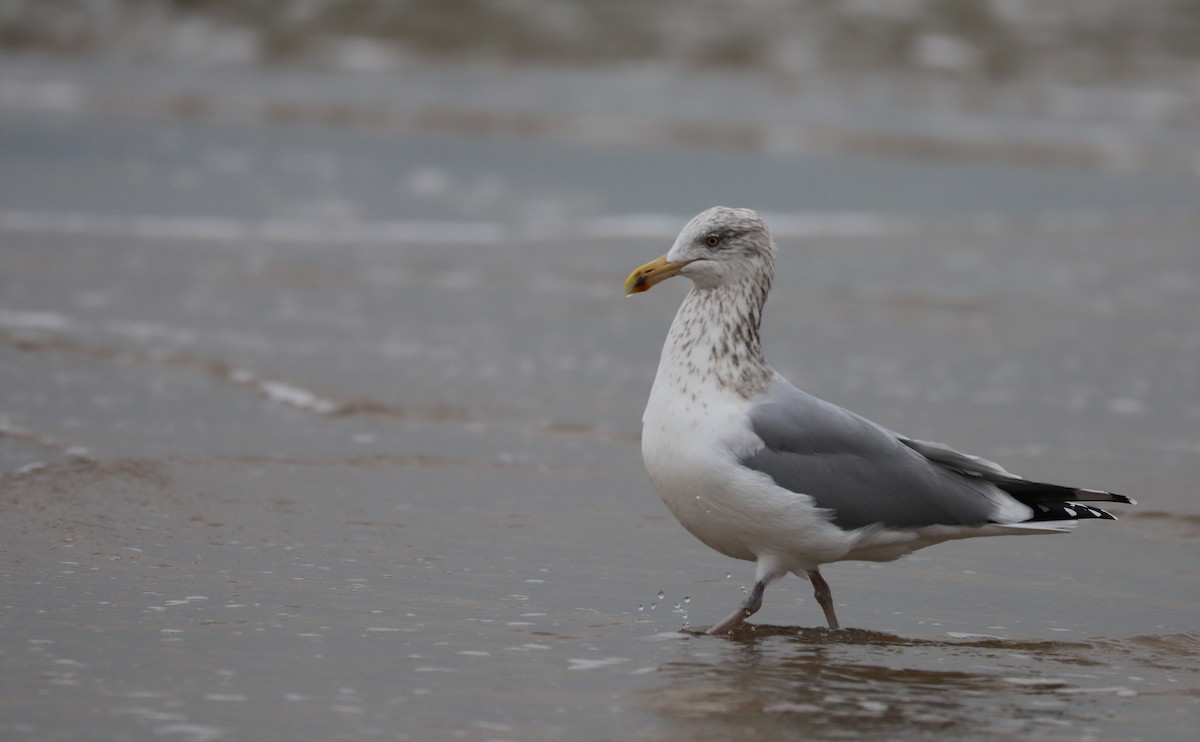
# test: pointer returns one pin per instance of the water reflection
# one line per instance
(783, 682)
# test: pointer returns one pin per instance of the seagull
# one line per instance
(761, 471)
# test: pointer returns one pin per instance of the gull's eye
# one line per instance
(712, 240)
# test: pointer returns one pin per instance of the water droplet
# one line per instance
(653, 606)
(728, 575)
(641, 608)
(678, 607)
(687, 599)
(660, 594)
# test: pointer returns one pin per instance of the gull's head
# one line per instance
(718, 246)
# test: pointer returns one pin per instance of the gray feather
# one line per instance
(964, 462)
(862, 472)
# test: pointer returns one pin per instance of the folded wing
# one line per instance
(865, 474)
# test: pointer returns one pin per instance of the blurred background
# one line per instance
(1108, 86)
(936, 77)
(320, 403)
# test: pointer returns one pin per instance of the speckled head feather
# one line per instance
(730, 259)
(725, 246)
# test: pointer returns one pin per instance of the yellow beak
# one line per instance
(655, 271)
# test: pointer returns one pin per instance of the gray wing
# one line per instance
(862, 472)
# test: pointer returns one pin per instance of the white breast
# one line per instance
(693, 434)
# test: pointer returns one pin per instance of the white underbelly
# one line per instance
(732, 509)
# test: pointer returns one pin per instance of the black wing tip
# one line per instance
(1102, 496)
(1033, 493)
(1068, 511)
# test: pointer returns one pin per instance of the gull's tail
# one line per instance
(1049, 502)
(1056, 502)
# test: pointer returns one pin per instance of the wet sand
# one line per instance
(323, 433)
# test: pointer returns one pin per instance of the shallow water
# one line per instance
(329, 433)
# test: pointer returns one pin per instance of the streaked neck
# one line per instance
(714, 340)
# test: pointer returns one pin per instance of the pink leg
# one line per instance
(748, 608)
(824, 596)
